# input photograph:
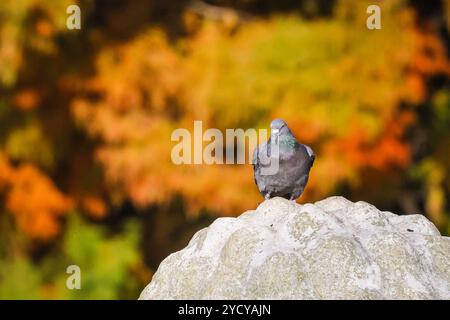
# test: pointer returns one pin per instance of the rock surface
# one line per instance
(332, 249)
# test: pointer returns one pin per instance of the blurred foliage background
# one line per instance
(86, 117)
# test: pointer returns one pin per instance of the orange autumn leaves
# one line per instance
(348, 92)
(327, 80)
(33, 199)
(27, 99)
(36, 203)
(387, 151)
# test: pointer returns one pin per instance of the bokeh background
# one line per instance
(86, 117)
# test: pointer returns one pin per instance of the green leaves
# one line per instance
(30, 144)
(106, 262)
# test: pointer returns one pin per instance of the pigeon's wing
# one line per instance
(255, 161)
(311, 153)
(257, 152)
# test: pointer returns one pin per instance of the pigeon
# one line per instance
(283, 172)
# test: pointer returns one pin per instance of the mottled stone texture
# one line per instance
(332, 249)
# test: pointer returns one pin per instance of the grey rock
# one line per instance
(332, 249)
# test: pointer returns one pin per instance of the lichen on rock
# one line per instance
(332, 249)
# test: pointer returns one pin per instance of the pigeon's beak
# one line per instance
(275, 132)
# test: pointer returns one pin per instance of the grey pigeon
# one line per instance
(293, 163)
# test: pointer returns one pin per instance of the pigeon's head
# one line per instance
(278, 126)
